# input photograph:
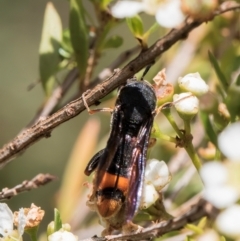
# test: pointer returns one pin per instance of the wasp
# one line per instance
(120, 166)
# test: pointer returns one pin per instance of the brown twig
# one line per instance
(44, 127)
(108, 71)
(37, 181)
(55, 98)
(196, 211)
(62, 89)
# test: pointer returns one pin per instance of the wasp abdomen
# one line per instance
(109, 201)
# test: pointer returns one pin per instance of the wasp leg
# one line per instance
(95, 110)
(130, 228)
(93, 163)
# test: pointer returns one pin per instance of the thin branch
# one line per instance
(56, 96)
(62, 89)
(37, 181)
(108, 71)
(199, 209)
(44, 127)
(183, 182)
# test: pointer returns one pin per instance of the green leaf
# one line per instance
(79, 34)
(194, 228)
(49, 46)
(32, 232)
(104, 4)
(66, 42)
(202, 223)
(232, 101)
(151, 30)
(113, 42)
(223, 80)
(57, 220)
(238, 80)
(135, 25)
(209, 128)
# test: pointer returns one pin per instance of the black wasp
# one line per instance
(120, 167)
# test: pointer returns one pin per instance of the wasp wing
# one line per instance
(138, 163)
(114, 141)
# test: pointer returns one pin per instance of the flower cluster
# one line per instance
(62, 235)
(168, 13)
(186, 103)
(157, 176)
(222, 182)
(25, 219)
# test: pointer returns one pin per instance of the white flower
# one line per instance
(186, 103)
(149, 195)
(217, 191)
(6, 220)
(213, 173)
(228, 221)
(157, 176)
(193, 83)
(6, 224)
(208, 235)
(22, 220)
(62, 235)
(157, 173)
(229, 142)
(221, 196)
(167, 12)
(126, 9)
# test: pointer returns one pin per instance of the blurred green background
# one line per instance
(20, 32)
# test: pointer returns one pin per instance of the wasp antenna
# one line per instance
(146, 71)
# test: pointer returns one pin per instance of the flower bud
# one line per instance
(157, 173)
(218, 190)
(34, 216)
(164, 90)
(186, 105)
(50, 228)
(214, 173)
(193, 83)
(126, 9)
(221, 196)
(63, 236)
(66, 227)
(201, 9)
(228, 222)
(149, 195)
(229, 142)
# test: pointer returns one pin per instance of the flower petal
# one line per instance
(169, 14)
(222, 196)
(186, 103)
(126, 9)
(22, 220)
(214, 173)
(228, 222)
(157, 173)
(62, 235)
(6, 219)
(149, 196)
(193, 83)
(229, 142)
